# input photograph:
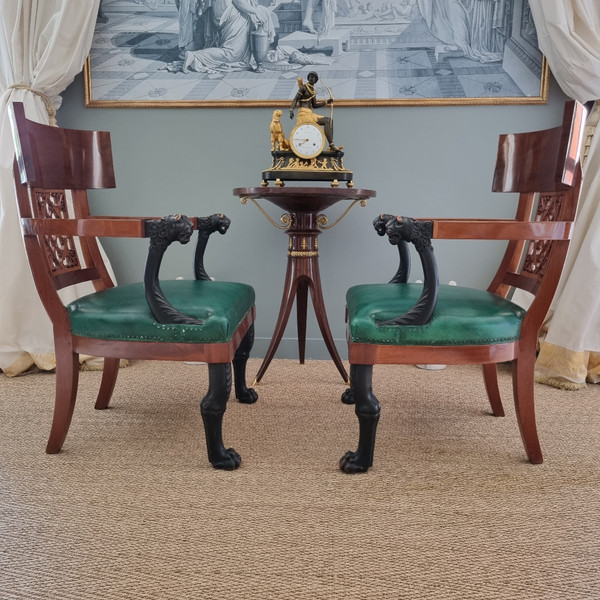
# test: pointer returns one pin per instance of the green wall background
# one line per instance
(424, 161)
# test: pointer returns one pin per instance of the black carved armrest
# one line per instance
(206, 227)
(401, 276)
(163, 232)
(400, 231)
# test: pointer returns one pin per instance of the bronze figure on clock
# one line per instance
(310, 153)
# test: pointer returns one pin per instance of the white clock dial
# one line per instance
(307, 140)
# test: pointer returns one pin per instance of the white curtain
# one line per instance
(569, 37)
(43, 45)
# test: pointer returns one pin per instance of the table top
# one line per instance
(304, 199)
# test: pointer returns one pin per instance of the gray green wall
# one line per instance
(422, 161)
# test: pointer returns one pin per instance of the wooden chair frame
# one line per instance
(543, 168)
(54, 164)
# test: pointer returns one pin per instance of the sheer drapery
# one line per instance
(569, 37)
(43, 45)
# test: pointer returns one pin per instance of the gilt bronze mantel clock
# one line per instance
(309, 154)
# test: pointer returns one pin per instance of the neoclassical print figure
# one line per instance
(188, 16)
(477, 28)
(329, 8)
(231, 22)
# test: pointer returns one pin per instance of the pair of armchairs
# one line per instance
(213, 322)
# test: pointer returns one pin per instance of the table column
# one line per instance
(303, 226)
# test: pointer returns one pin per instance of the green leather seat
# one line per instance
(122, 313)
(462, 317)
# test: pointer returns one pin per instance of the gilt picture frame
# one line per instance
(247, 53)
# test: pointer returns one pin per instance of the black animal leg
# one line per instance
(243, 393)
(213, 407)
(367, 409)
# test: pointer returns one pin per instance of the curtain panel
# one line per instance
(43, 45)
(569, 36)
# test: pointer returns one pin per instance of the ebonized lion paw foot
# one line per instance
(228, 460)
(247, 396)
(347, 397)
(352, 462)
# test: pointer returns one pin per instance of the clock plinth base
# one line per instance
(327, 166)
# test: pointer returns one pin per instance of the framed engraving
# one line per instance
(235, 53)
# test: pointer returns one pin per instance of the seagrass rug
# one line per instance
(131, 508)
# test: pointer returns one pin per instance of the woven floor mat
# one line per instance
(131, 508)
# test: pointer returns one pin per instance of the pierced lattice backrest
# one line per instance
(538, 253)
(61, 251)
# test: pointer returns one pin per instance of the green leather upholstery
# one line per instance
(122, 313)
(463, 316)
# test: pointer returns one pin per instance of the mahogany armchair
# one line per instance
(180, 320)
(409, 323)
